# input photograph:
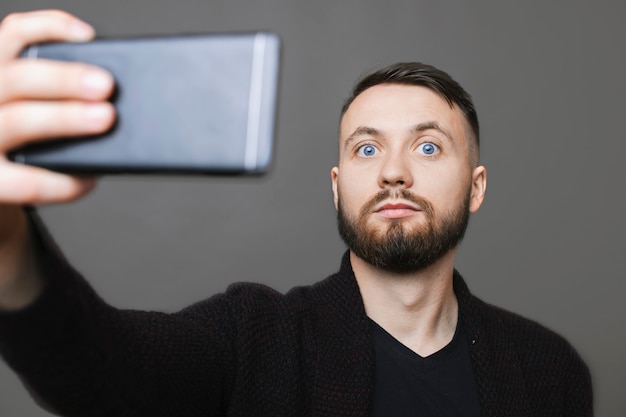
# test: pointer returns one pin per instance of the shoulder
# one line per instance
(531, 340)
(335, 293)
(508, 347)
(550, 365)
(553, 371)
(327, 307)
(250, 305)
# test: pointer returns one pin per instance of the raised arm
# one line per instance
(78, 355)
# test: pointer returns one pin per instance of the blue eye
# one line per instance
(367, 150)
(428, 148)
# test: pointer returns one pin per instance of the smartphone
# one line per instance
(196, 104)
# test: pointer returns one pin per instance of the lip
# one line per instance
(400, 205)
(396, 210)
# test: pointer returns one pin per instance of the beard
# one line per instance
(401, 247)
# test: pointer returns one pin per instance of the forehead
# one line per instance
(394, 108)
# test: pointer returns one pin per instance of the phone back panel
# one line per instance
(187, 104)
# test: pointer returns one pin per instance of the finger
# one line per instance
(18, 30)
(44, 79)
(21, 184)
(22, 122)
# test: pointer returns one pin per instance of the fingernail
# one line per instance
(97, 81)
(87, 183)
(81, 31)
(97, 112)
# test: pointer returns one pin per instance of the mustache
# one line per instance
(403, 194)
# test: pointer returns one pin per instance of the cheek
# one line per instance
(353, 192)
(446, 187)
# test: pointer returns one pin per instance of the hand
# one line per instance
(42, 99)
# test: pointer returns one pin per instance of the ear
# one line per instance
(334, 174)
(479, 186)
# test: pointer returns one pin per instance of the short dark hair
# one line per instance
(416, 73)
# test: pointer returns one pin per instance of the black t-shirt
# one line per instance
(406, 384)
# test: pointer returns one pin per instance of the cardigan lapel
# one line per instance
(344, 369)
(497, 368)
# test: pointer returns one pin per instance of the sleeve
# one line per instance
(79, 356)
(556, 376)
(579, 395)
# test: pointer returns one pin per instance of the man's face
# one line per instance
(405, 183)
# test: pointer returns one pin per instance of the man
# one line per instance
(394, 332)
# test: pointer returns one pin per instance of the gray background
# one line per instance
(548, 82)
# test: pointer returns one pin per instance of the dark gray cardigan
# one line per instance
(254, 352)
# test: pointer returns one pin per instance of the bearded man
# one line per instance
(395, 332)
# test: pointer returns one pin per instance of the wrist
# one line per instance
(20, 283)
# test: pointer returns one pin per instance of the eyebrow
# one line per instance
(432, 126)
(421, 127)
(361, 131)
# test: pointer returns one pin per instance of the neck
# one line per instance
(419, 309)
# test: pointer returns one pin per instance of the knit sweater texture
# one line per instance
(252, 351)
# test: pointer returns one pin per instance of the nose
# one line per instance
(395, 172)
